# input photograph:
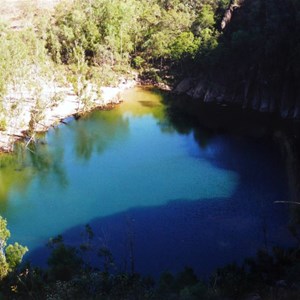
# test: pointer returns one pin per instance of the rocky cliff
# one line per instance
(249, 93)
(257, 61)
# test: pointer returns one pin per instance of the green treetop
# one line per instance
(10, 255)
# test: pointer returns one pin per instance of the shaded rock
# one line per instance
(251, 94)
(253, 296)
(184, 86)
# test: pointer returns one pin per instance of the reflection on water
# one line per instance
(95, 133)
(19, 169)
(135, 162)
(13, 176)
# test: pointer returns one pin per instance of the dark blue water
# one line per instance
(153, 196)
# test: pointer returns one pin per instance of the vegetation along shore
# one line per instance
(56, 56)
(218, 58)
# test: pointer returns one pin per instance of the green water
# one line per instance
(104, 164)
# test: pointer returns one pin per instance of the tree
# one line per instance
(205, 19)
(184, 44)
(11, 255)
(64, 261)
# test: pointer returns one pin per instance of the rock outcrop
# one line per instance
(229, 12)
(249, 93)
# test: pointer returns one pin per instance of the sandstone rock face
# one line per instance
(249, 94)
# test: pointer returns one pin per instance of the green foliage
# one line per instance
(257, 57)
(23, 64)
(64, 261)
(14, 254)
(139, 33)
(4, 233)
(186, 44)
(205, 19)
(111, 35)
(11, 255)
(95, 26)
(19, 50)
(70, 276)
(138, 62)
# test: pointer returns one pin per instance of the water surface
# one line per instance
(180, 195)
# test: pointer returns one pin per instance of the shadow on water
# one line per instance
(204, 233)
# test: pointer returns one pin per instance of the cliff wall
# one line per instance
(257, 61)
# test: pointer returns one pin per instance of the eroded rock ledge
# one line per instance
(254, 94)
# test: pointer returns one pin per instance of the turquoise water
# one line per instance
(112, 162)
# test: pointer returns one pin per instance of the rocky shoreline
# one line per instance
(251, 93)
(53, 104)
